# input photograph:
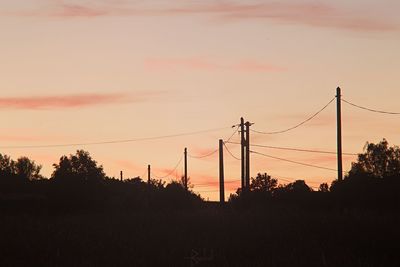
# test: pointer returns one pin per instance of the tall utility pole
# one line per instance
(339, 133)
(248, 155)
(245, 153)
(121, 176)
(186, 181)
(242, 154)
(221, 172)
(148, 173)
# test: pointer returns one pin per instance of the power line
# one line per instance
(297, 149)
(370, 109)
(217, 183)
(297, 125)
(212, 152)
(295, 162)
(204, 156)
(233, 156)
(118, 141)
(230, 137)
(165, 176)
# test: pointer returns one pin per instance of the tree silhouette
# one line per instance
(24, 169)
(324, 188)
(27, 169)
(7, 166)
(78, 167)
(157, 184)
(299, 187)
(373, 181)
(378, 160)
(78, 183)
(263, 183)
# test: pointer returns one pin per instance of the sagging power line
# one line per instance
(172, 171)
(292, 161)
(297, 149)
(297, 125)
(214, 151)
(245, 145)
(230, 153)
(370, 109)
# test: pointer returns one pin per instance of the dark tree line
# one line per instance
(23, 169)
(79, 182)
(372, 182)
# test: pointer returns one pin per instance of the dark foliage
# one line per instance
(81, 217)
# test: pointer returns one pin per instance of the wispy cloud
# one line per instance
(308, 13)
(68, 101)
(173, 64)
(75, 10)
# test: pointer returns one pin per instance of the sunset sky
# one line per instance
(91, 71)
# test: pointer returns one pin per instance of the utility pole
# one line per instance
(339, 133)
(242, 152)
(245, 153)
(121, 176)
(248, 155)
(186, 180)
(148, 173)
(221, 172)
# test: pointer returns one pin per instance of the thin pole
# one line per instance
(121, 176)
(339, 133)
(242, 152)
(221, 172)
(248, 155)
(148, 173)
(186, 181)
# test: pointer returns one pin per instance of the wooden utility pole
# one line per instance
(186, 180)
(339, 133)
(221, 172)
(121, 176)
(148, 173)
(242, 152)
(248, 155)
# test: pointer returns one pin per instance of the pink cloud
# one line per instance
(310, 14)
(173, 64)
(73, 10)
(67, 101)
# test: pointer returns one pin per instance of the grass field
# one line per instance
(204, 237)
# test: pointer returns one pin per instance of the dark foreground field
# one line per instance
(205, 237)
